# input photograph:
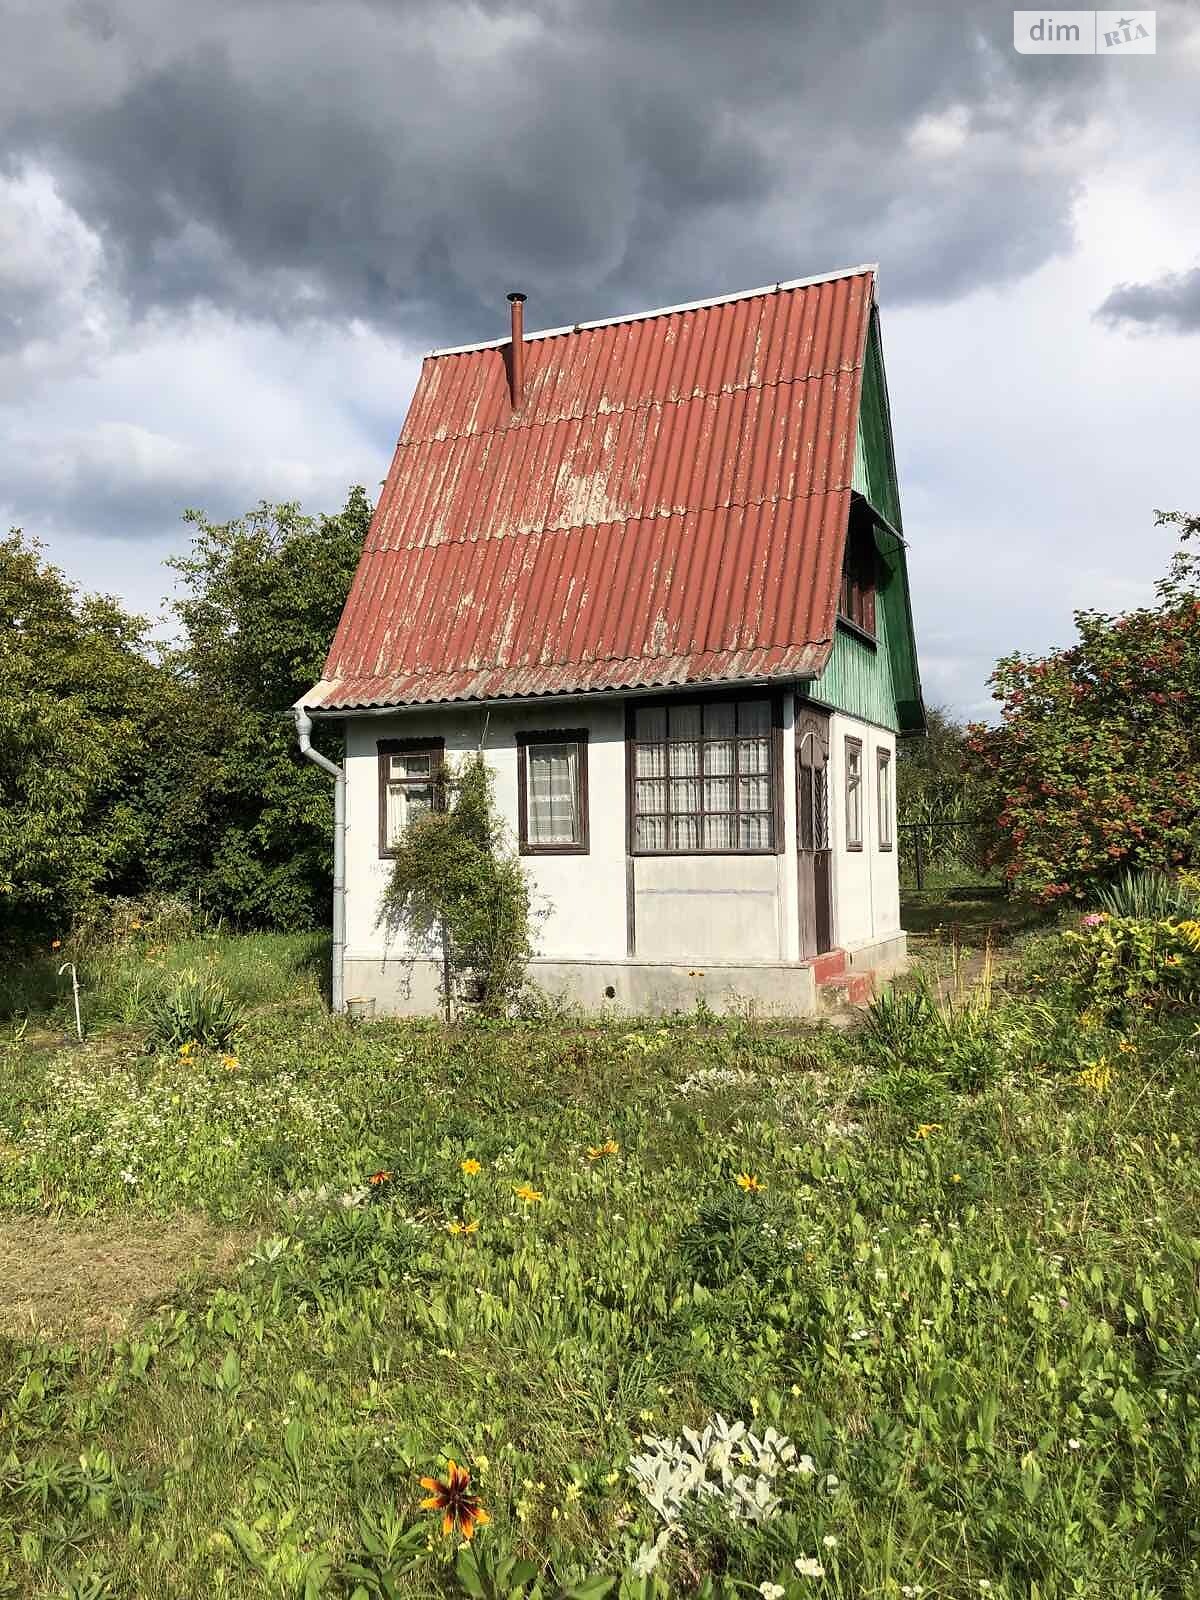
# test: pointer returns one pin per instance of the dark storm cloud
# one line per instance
(407, 162)
(1170, 304)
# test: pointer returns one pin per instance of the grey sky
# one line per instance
(226, 233)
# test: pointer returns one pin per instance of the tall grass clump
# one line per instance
(1149, 896)
(194, 1008)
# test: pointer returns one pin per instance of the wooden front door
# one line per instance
(812, 831)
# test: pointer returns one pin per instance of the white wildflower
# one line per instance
(772, 1591)
(1074, 1444)
(830, 1541)
(809, 1567)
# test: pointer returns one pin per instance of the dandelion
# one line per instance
(462, 1229)
(597, 1152)
(809, 1567)
(470, 1167)
(924, 1129)
(526, 1193)
(230, 1063)
(453, 1498)
(378, 1178)
(748, 1182)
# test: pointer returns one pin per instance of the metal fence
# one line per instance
(950, 850)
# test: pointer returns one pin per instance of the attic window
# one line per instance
(857, 602)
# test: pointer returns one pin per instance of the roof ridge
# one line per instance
(871, 267)
(623, 522)
(511, 426)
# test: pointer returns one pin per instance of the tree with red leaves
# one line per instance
(1094, 766)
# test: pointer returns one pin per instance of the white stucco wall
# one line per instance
(687, 909)
(583, 896)
(866, 882)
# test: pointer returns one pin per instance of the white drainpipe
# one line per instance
(338, 774)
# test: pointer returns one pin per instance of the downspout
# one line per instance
(338, 774)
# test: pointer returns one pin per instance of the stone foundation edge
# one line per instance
(627, 988)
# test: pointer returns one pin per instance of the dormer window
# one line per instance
(857, 602)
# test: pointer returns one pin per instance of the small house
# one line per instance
(653, 567)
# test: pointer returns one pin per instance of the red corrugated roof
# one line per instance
(668, 506)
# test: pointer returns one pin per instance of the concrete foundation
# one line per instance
(403, 987)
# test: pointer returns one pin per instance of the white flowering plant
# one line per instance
(725, 1463)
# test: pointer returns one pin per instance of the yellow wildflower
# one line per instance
(525, 1192)
(462, 1228)
(1127, 1047)
(470, 1166)
(924, 1129)
(230, 1063)
(1096, 1075)
(956, 1177)
(749, 1182)
(597, 1152)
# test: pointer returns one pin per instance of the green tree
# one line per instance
(83, 712)
(1095, 764)
(242, 819)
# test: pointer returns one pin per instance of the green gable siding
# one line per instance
(881, 685)
(874, 465)
(858, 679)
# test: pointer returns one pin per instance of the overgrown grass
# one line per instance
(117, 978)
(978, 1319)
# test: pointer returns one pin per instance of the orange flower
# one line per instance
(459, 1507)
(524, 1191)
(380, 1177)
(56, 944)
(748, 1182)
(597, 1152)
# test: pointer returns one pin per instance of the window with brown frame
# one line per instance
(857, 601)
(409, 784)
(704, 777)
(854, 794)
(552, 792)
(883, 790)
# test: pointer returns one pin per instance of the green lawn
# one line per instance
(963, 1289)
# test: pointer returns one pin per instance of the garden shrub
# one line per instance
(456, 889)
(1119, 962)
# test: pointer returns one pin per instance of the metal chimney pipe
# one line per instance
(516, 370)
